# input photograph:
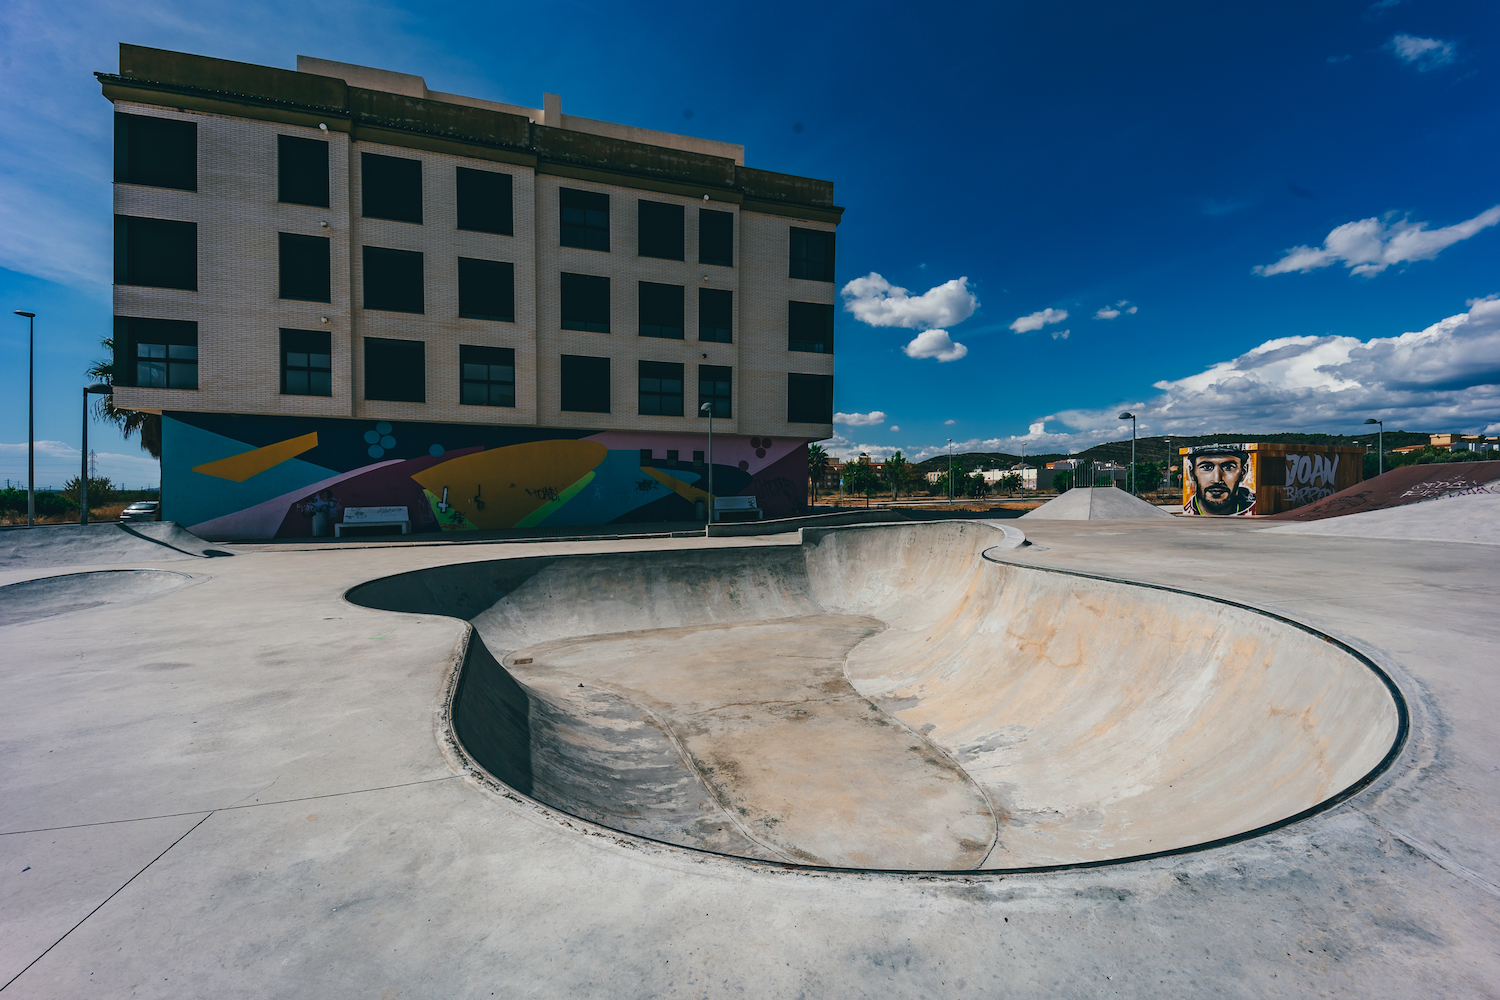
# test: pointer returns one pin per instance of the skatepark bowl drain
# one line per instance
(897, 698)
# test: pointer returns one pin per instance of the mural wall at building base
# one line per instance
(229, 476)
(1257, 478)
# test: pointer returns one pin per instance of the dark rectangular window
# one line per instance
(487, 376)
(698, 458)
(390, 187)
(396, 370)
(584, 219)
(484, 201)
(585, 303)
(714, 383)
(809, 327)
(660, 389)
(156, 353)
(660, 310)
(304, 267)
(715, 237)
(585, 384)
(716, 315)
(157, 152)
(306, 363)
(660, 230)
(156, 253)
(393, 280)
(301, 171)
(646, 457)
(812, 254)
(486, 289)
(809, 399)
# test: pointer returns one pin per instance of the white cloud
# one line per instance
(1060, 334)
(1423, 53)
(949, 423)
(1369, 246)
(58, 461)
(1037, 320)
(871, 419)
(935, 344)
(1120, 308)
(895, 429)
(1445, 377)
(877, 302)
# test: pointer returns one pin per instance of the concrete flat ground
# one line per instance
(240, 785)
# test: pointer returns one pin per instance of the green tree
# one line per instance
(898, 472)
(861, 477)
(1009, 483)
(101, 491)
(129, 421)
(817, 468)
(1063, 481)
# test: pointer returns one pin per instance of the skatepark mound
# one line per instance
(1103, 503)
(897, 698)
(1407, 485)
(51, 596)
(102, 544)
(1462, 517)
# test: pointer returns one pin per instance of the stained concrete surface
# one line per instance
(1095, 503)
(102, 544)
(329, 845)
(1473, 517)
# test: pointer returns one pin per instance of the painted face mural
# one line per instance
(1222, 486)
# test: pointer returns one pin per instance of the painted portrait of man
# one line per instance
(1220, 477)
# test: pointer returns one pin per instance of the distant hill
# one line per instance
(1154, 449)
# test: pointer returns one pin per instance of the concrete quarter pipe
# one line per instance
(888, 698)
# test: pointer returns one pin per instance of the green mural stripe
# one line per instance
(546, 510)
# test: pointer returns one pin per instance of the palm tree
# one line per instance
(129, 421)
(817, 467)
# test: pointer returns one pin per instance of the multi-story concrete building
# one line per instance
(341, 289)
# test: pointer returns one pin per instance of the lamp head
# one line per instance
(706, 408)
(1372, 420)
(28, 315)
(1126, 416)
(102, 388)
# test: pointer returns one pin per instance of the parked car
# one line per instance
(142, 510)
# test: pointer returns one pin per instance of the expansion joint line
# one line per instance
(112, 895)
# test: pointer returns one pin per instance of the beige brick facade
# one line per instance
(239, 314)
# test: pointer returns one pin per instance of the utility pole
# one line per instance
(709, 409)
(950, 470)
(30, 416)
(1127, 415)
(1380, 448)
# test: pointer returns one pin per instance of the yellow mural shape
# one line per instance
(501, 487)
(238, 468)
(689, 493)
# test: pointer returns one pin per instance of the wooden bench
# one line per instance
(374, 517)
(736, 505)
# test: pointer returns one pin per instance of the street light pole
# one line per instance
(83, 475)
(1380, 446)
(950, 470)
(30, 417)
(1127, 415)
(709, 409)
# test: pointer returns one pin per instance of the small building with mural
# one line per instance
(341, 289)
(1256, 478)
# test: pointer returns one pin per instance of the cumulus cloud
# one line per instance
(935, 344)
(1037, 320)
(1423, 53)
(872, 419)
(949, 423)
(1445, 377)
(875, 301)
(1120, 308)
(1060, 334)
(895, 429)
(1369, 246)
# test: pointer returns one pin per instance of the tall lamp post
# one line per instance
(30, 417)
(1380, 447)
(1131, 417)
(98, 388)
(709, 409)
(950, 470)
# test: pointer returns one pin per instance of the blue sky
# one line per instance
(1288, 205)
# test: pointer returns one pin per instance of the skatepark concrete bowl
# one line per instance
(897, 698)
(49, 596)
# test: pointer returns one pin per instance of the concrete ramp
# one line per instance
(51, 596)
(102, 544)
(890, 697)
(1088, 503)
(1407, 485)
(1466, 517)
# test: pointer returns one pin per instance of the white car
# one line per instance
(142, 510)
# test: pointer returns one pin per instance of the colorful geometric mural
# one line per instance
(230, 475)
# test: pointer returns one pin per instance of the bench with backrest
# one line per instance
(374, 517)
(737, 507)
